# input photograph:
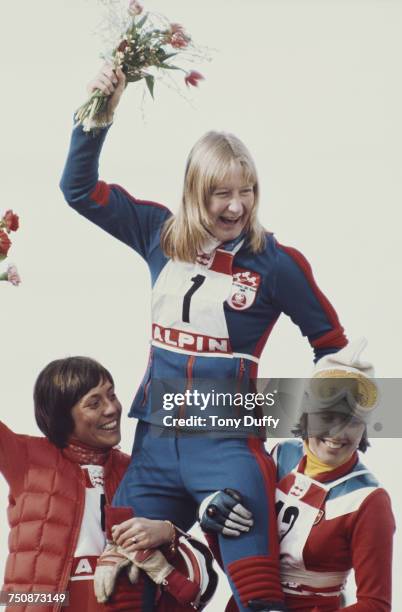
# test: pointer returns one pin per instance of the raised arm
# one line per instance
(298, 296)
(12, 454)
(135, 222)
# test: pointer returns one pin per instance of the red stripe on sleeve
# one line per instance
(101, 193)
(336, 337)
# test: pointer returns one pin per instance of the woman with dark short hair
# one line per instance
(59, 488)
(59, 388)
(333, 515)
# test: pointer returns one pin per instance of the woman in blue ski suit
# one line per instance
(219, 284)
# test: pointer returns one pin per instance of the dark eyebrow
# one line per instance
(96, 395)
(92, 396)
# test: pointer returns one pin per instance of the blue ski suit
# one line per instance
(210, 320)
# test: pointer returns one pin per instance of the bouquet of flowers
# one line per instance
(9, 222)
(149, 42)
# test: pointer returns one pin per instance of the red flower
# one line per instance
(176, 27)
(11, 221)
(179, 40)
(122, 46)
(192, 78)
(5, 244)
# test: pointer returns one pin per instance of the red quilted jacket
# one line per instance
(46, 503)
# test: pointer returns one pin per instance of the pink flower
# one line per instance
(192, 78)
(5, 244)
(135, 8)
(179, 40)
(11, 221)
(12, 276)
(176, 27)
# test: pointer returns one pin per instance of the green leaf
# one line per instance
(150, 81)
(167, 56)
(141, 22)
(168, 66)
(132, 78)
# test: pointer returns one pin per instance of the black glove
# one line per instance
(224, 513)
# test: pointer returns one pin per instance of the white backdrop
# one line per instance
(313, 87)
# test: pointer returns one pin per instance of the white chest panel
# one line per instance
(91, 540)
(296, 518)
(188, 306)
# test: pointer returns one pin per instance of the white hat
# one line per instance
(341, 382)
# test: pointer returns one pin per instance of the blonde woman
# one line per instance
(220, 283)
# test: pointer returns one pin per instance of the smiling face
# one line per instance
(230, 204)
(97, 416)
(334, 437)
